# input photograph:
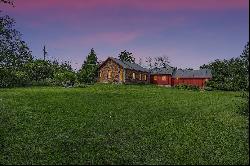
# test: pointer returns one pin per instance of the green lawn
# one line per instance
(111, 124)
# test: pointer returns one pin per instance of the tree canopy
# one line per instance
(161, 61)
(230, 74)
(88, 71)
(14, 52)
(127, 56)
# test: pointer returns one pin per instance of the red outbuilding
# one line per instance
(191, 77)
(172, 77)
(162, 76)
(118, 71)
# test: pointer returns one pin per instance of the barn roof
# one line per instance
(164, 70)
(128, 65)
(202, 73)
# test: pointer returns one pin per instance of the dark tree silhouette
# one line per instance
(127, 56)
(140, 61)
(161, 61)
(11, 2)
(149, 62)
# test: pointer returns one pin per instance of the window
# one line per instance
(109, 74)
(133, 75)
(145, 77)
(155, 78)
(140, 77)
(163, 78)
(100, 74)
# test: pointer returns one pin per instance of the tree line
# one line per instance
(19, 68)
(230, 74)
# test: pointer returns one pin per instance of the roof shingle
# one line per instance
(128, 65)
(164, 70)
(202, 73)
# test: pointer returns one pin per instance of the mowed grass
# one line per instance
(121, 124)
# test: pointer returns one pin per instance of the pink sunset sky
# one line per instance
(189, 32)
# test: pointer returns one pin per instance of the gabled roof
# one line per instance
(164, 70)
(202, 73)
(128, 65)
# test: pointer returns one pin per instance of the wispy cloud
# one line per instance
(139, 4)
(189, 31)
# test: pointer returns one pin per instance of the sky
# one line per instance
(189, 32)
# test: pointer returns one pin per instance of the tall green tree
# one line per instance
(14, 52)
(88, 72)
(245, 60)
(127, 56)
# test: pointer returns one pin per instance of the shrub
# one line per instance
(21, 78)
(187, 87)
(39, 70)
(12, 78)
(244, 105)
(208, 88)
(65, 78)
(45, 82)
(80, 85)
(193, 87)
(6, 78)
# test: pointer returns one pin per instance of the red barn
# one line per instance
(172, 77)
(191, 77)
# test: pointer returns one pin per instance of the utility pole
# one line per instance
(44, 53)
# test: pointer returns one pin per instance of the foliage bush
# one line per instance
(186, 87)
(39, 70)
(45, 82)
(65, 78)
(78, 85)
(232, 74)
(21, 78)
(6, 78)
(12, 78)
(208, 88)
(244, 105)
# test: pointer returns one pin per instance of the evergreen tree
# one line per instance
(88, 72)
